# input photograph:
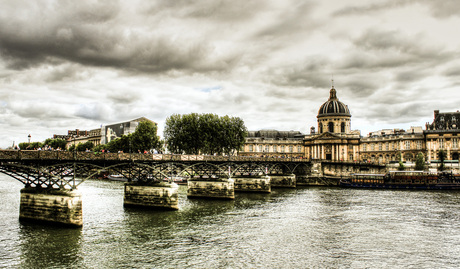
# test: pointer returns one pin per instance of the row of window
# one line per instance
(442, 143)
(274, 148)
(392, 146)
(330, 127)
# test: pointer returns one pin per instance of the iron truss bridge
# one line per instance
(67, 170)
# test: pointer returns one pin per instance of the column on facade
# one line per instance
(428, 147)
(333, 152)
(356, 153)
(345, 156)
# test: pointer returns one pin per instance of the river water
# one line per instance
(289, 228)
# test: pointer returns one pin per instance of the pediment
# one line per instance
(327, 136)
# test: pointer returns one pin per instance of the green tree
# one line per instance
(204, 133)
(56, 143)
(30, 146)
(182, 134)
(401, 166)
(442, 158)
(211, 138)
(82, 146)
(99, 148)
(145, 137)
(124, 143)
(420, 162)
(233, 133)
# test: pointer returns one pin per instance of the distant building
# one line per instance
(335, 141)
(116, 130)
(80, 137)
(392, 145)
(443, 134)
(273, 143)
(102, 135)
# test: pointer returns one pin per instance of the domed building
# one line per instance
(334, 140)
(334, 116)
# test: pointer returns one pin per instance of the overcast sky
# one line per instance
(82, 64)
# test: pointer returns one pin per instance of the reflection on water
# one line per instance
(289, 228)
(49, 246)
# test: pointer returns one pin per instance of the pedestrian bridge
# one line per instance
(51, 178)
(67, 170)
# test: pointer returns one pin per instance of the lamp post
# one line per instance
(74, 161)
(121, 133)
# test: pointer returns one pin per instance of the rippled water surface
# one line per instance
(289, 228)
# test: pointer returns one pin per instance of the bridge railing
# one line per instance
(99, 156)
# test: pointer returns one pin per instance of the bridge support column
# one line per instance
(160, 195)
(285, 181)
(222, 189)
(253, 184)
(62, 207)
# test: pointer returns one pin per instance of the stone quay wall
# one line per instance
(222, 189)
(160, 195)
(253, 184)
(284, 181)
(53, 206)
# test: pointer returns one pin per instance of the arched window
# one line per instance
(342, 127)
(331, 127)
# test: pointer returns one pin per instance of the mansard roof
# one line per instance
(275, 134)
(444, 121)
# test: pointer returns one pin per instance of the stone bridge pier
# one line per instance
(51, 206)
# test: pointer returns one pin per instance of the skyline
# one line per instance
(67, 66)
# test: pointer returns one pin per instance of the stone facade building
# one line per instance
(392, 145)
(272, 143)
(336, 141)
(103, 135)
(443, 134)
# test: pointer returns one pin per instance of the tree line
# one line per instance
(204, 134)
(190, 134)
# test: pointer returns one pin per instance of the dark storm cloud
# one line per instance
(292, 21)
(221, 10)
(377, 49)
(92, 35)
(308, 73)
(452, 71)
(395, 113)
(123, 97)
(360, 86)
(411, 76)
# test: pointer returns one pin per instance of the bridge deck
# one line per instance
(23, 155)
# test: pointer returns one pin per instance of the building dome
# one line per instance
(333, 107)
